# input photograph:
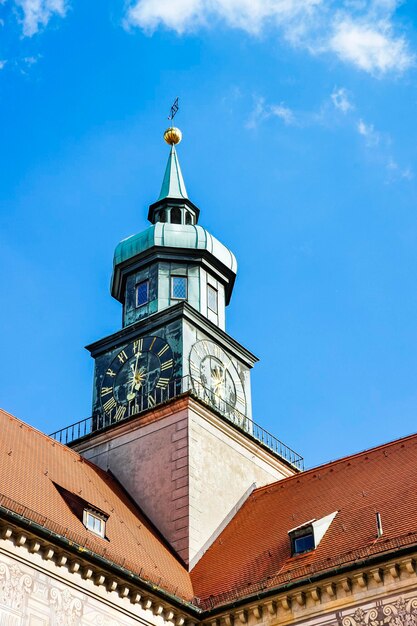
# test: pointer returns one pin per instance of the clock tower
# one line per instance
(172, 410)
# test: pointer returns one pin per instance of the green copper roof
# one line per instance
(174, 236)
(173, 185)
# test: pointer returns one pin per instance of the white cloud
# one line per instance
(397, 172)
(262, 111)
(2, 63)
(184, 15)
(368, 131)
(341, 100)
(369, 47)
(284, 113)
(35, 14)
(359, 32)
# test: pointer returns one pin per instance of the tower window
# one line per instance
(95, 523)
(175, 215)
(179, 287)
(212, 298)
(188, 218)
(142, 293)
(162, 216)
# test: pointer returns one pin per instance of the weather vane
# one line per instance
(174, 110)
(172, 135)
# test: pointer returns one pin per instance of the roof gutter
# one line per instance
(261, 595)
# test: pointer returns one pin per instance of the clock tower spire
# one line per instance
(172, 409)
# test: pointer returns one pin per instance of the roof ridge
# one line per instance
(341, 460)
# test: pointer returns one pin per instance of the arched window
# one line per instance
(162, 217)
(188, 218)
(176, 215)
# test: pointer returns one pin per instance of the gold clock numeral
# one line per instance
(120, 413)
(122, 356)
(167, 364)
(137, 346)
(110, 372)
(151, 401)
(153, 341)
(163, 350)
(162, 382)
(109, 405)
(105, 391)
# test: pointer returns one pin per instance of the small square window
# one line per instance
(179, 287)
(212, 298)
(142, 293)
(304, 543)
(94, 523)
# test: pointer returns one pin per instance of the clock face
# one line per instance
(137, 377)
(215, 378)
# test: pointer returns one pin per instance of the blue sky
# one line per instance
(300, 149)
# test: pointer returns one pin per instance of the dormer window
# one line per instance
(95, 522)
(307, 536)
(302, 540)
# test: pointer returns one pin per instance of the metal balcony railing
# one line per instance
(149, 399)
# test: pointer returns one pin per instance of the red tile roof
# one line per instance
(253, 552)
(30, 464)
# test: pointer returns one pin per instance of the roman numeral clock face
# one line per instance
(137, 377)
(215, 378)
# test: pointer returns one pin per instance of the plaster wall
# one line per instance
(186, 467)
(151, 462)
(223, 465)
(35, 592)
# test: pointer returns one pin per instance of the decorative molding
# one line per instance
(285, 603)
(398, 613)
(74, 566)
(360, 579)
(300, 598)
(34, 546)
(271, 607)
(377, 574)
(346, 584)
(20, 539)
(315, 593)
(409, 565)
(242, 616)
(67, 608)
(15, 585)
(331, 590)
(146, 603)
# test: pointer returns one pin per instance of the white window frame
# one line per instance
(173, 276)
(216, 291)
(90, 519)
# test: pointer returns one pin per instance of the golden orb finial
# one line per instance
(172, 135)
